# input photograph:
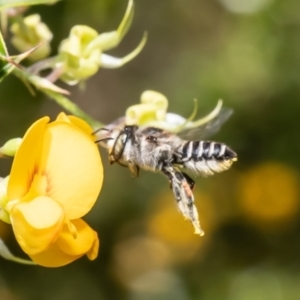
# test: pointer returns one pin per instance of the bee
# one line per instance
(157, 150)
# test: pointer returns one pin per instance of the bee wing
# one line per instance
(208, 129)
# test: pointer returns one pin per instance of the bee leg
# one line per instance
(111, 159)
(134, 169)
(184, 196)
(169, 176)
(101, 129)
(189, 180)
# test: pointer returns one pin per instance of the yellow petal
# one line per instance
(63, 117)
(26, 160)
(77, 122)
(37, 223)
(86, 239)
(72, 164)
(53, 257)
(93, 253)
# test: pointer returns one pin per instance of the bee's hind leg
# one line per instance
(184, 196)
(189, 180)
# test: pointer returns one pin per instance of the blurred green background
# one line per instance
(245, 52)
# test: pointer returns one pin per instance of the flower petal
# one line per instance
(72, 164)
(77, 122)
(63, 118)
(85, 241)
(53, 257)
(110, 62)
(37, 223)
(26, 160)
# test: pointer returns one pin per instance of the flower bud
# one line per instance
(30, 32)
(4, 216)
(10, 147)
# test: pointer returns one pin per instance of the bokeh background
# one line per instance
(245, 52)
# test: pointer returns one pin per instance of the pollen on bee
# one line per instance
(187, 188)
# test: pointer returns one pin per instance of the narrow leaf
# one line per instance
(40, 83)
(8, 63)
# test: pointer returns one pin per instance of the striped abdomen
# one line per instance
(205, 157)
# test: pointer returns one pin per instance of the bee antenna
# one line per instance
(101, 129)
(105, 139)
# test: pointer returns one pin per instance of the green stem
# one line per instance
(72, 108)
(54, 93)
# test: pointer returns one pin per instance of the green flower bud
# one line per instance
(4, 216)
(29, 33)
(10, 147)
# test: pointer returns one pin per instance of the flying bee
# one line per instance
(154, 149)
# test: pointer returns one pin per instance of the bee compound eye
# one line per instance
(151, 138)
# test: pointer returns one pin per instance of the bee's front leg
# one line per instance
(184, 196)
(133, 168)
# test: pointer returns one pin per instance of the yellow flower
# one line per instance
(168, 226)
(55, 180)
(269, 195)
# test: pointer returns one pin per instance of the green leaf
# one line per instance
(14, 3)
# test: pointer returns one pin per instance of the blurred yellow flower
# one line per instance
(55, 180)
(167, 225)
(269, 194)
(30, 32)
